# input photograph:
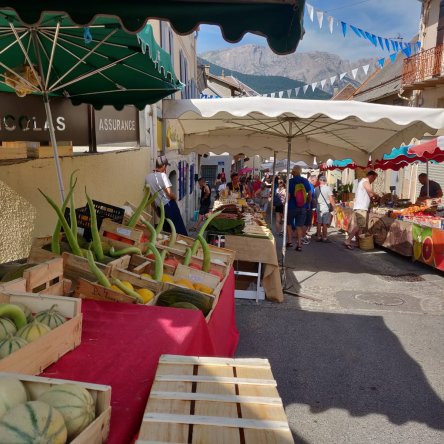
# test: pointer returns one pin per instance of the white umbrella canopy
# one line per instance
(325, 129)
(281, 165)
(287, 127)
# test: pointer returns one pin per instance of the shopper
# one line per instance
(263, 196)
(279, 199)
(364, 194)
(312, 179)
(205, 202)
(299, 200)
(324, 206)
(158, 181)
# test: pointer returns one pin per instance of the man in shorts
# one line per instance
(363, 197)
(205, 202)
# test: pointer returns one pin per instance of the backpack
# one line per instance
(300, 195)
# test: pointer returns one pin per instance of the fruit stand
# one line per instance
(415, 231)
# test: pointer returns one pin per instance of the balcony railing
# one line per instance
(423, 67)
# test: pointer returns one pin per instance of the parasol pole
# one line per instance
(428, 183)
(49, 116)
(272, 189)
(284, 238)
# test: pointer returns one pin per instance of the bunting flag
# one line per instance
(331, 21)
(342, 75)
(273, 95)
(304, 88)
(313, 85)
(296, 90)
(323, 83)
(320, 16)
(365, 68)
(289, 93)
(393, 57)
(377, 41)
(333, 80)
(381, 62)
(281, 94)
(354, 72)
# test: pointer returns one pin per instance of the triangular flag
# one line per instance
(320, 15)
(381, 43)
(281, 94)
(310, 11)
(381, 62)
(418, 45)
(289, 92)
(407, 51)
(355, 30)
(365, 68)
(344, 28)
(313, 85)
(342, 75)
(362, 33)
(331, 20)
(374, 40)
(296, 91)
(333, 80)
(371, 38)
(304, 88)
(264, 95)
(354, 72)
(323, 83)
(393, 57)
(395, 47)
(387, 44)
(273, 95)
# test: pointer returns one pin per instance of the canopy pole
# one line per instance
(273, 189)
(284, 237)
(428, 184)
(49, 116)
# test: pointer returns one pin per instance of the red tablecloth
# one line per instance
(121, 345)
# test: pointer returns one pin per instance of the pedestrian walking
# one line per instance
(325, 202)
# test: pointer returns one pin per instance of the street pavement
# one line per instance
(359, 358)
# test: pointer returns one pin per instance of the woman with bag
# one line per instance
(280, 196)
(324, 208)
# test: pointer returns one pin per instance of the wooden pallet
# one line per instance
(209, 400)
(41, 353)
(47, 278)
(97, 432)
(43, 152)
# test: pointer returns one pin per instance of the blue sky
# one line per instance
(385, 18)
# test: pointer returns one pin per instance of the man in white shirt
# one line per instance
(159, 181)
(364, 194)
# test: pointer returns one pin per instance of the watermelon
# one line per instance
(33, 422)
(12, 393)
(10, 344)
(75, 403)
(6, 327)
(33, 331)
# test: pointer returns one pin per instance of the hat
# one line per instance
(161, 161)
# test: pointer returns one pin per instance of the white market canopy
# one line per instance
(281, 165)
(325, 129)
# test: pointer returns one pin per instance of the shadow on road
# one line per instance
(341, 361)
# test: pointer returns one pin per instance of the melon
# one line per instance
(75, 403)
(11, 344)
(33, 331)
(31, 423)
(52, 318)
(12, 393)
(427, 250)
(26, 310)
(188, 305)
(6, 327)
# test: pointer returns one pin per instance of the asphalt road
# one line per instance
(365, 362)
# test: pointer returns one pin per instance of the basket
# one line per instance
(366, 242)
(103, 211)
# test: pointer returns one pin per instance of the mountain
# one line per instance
(266, 84)
(306, 67)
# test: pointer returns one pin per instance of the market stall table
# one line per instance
(252, 249)
(121, 345)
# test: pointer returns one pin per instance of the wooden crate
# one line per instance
(141, 264)
(39, 254)
(145, 215)
(92, 290)
(120, 236)
(42, 152)
(198, 276)
(13, 153)
(39, 354)
(18, 284)
(97, 432)
(47, 278)
(206, 400)
(20, 144)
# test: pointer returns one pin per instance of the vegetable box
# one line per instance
(34, 357)
(120, 236)
(96, 432)
(196, 399)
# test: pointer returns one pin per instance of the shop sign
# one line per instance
(25, 119)
(114, 126)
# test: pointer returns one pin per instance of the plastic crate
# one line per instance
(103, 211)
